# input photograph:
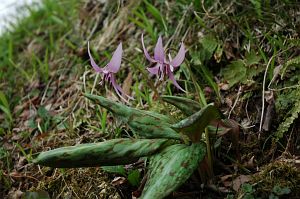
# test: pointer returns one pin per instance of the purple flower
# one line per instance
(108, 72)
(162, 66)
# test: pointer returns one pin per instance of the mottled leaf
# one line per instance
(197, 122)
(145, 124)
(187, 106)
(108, 153)
(172, 167)
(150, 127)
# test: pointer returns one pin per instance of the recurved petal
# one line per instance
(93, 63)
(118, 89)
(179, 57)
(159, 54)
(146, 52)
(115, 62)
(172, 78)
(154, 70)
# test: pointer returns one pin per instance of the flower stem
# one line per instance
(150, 83)
(209, 155)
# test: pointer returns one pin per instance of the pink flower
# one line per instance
(162, 66)
(108, 72)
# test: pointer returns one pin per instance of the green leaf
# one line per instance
(7, 112)
(171, 168)
(119, 169)
(247, 188)
(209, 44)
(251, 58)
(144, 124)
(3, 153)
(285, 190)
(243, 71)
(257, 4)
(281, 191)
(134, 177)
(156, 14)
(4, 106)
(108, 153)
(294, 61)
(208, 77)
(43, 113)
(291, 116)
(200, 20)
(235, 72)
(3, 100)
(187, 106)
(197, 122)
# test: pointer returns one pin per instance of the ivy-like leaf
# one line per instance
(235, 72)
(144, 124)
(108, 153)
(209, 44)
(172, 167)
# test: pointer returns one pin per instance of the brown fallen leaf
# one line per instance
(226, 180)
(228, 50)
(15, 193)
(223, 86)
(118, 181)
(127, 84)
(21, 162)
(237, 182)
(251, 163)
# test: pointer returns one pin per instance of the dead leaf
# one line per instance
(118, 181)
(136, 194)
(127, 84)
(237, 182)
(21, 162)
(16, 137)
(226, 180)
(223, 86)
(250, 164)
(15, 194)
(26, 104)
(228, 50)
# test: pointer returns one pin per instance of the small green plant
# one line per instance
(248, 190)
(172, 159)
(4, 107)
(279, 191)
(174, 149)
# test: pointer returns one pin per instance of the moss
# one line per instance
(279, 173)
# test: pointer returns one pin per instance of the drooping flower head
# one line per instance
(164, 67)
(108, 72)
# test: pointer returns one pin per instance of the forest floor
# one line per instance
(243, 56)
